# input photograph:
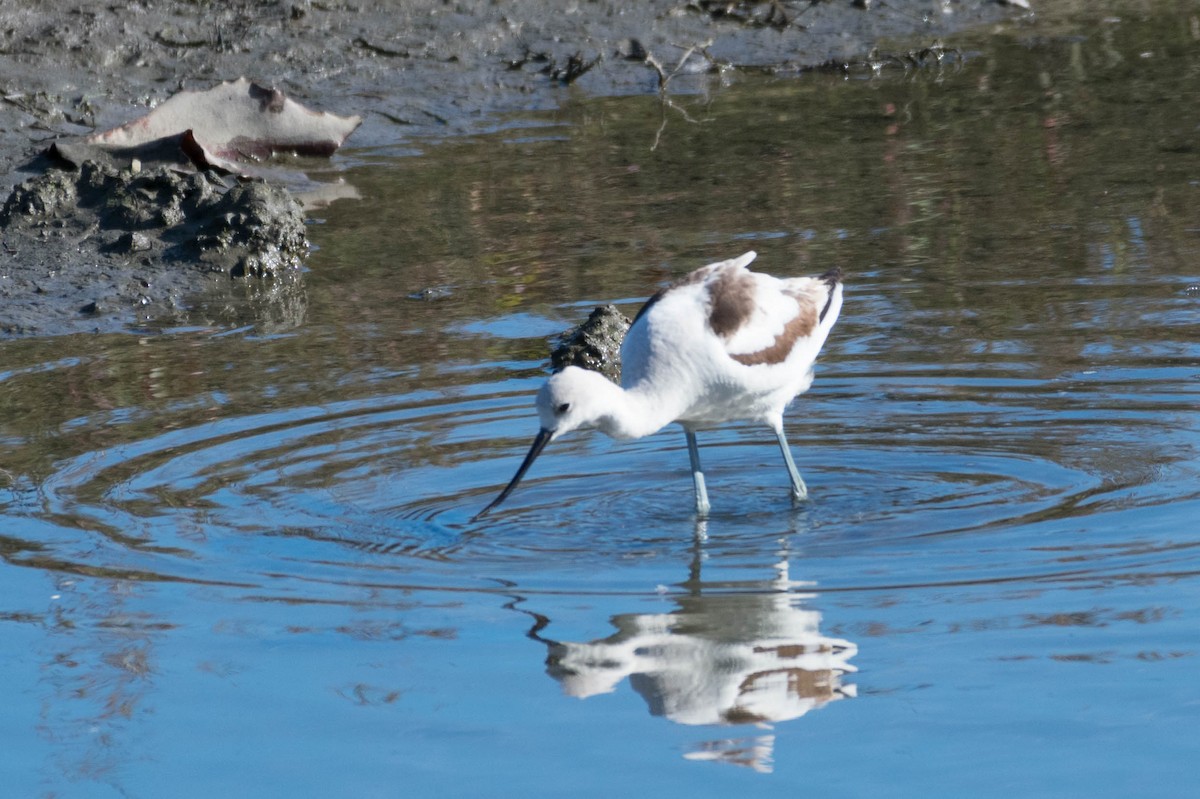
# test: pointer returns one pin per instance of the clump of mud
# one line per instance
(595, 344)
(103, 247)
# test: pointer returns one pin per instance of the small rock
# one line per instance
(133, 242)
(594, 345)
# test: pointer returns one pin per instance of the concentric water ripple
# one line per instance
(384, 489)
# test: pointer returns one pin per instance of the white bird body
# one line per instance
(722, 344)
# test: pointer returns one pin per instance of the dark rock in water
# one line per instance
(431, 294)
(131, 245)
(595, 345)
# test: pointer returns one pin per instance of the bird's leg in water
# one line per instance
(702, 506)
(799, 489)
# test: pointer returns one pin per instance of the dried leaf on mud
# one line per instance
(234, 121)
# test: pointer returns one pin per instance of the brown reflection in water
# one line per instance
(998, 207)
(938, 174)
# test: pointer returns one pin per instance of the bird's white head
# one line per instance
(573, 399)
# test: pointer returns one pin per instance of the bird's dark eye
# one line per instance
(566, 406)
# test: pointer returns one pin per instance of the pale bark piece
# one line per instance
(234, 121)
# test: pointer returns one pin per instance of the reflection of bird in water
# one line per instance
(722, 344)
(699, 665)
(737, 658)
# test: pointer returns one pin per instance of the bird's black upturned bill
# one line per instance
(539, 443)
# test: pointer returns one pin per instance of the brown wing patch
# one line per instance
(732, 301)
(802, 324)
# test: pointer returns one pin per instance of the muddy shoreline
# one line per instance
(428, 68)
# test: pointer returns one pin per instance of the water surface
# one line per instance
(239, 558)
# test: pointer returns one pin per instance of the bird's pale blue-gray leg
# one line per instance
(799, 490)
(702, 505)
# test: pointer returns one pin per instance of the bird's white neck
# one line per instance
(633, 412)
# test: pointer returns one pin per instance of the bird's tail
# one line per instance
(833, 279)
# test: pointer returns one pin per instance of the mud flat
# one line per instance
(100, 248)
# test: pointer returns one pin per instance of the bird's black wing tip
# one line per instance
(833, 276)
(832, 279)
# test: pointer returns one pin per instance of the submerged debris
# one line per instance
(594, 345)
(432, 294)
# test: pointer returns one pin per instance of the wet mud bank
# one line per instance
(95, 247)
(98, 248)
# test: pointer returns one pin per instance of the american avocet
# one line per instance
(721, 344)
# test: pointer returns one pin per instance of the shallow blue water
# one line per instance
(239, 559)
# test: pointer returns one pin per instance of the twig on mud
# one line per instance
(664, 78)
